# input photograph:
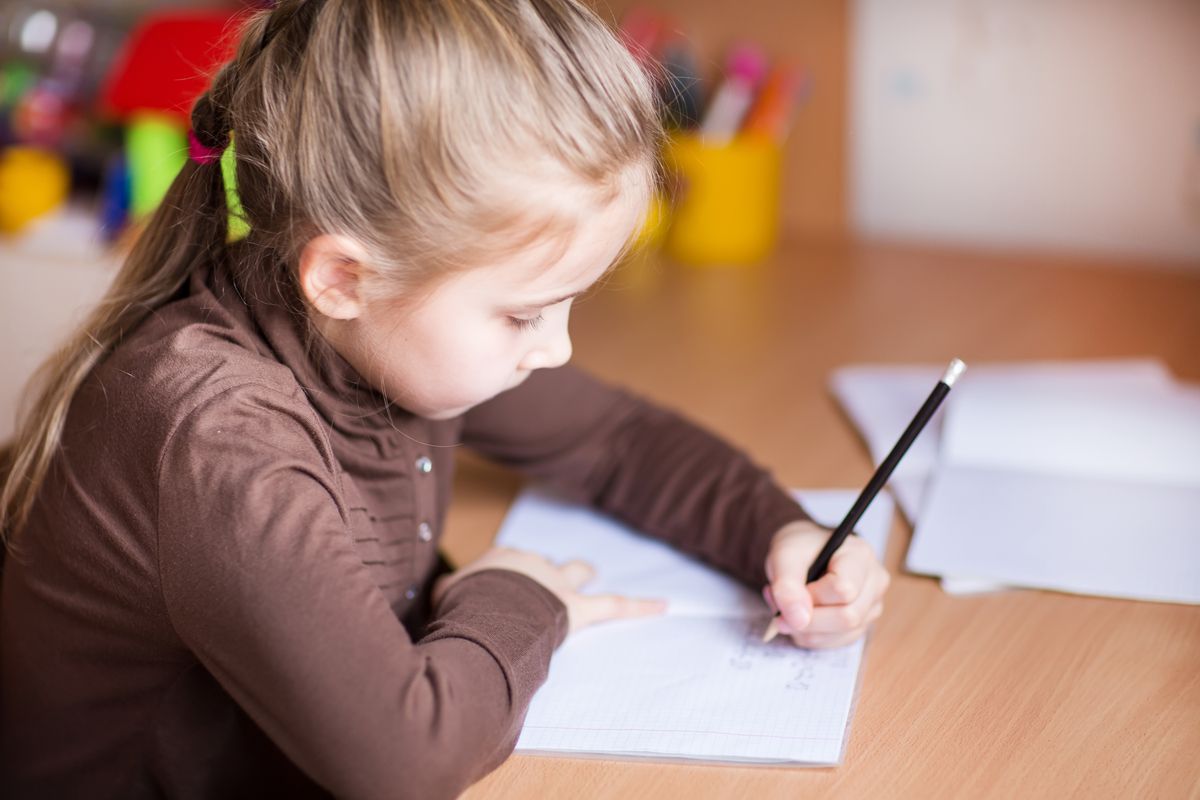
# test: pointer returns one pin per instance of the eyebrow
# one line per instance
(547, 303)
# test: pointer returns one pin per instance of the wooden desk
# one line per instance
(1022, 694)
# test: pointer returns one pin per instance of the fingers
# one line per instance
(853, 615)
(848, 571)
(843, 602)
(837, 619)
(791, 597)
(576, 573)
(853, 618)
(821, 640)
(780, 622)
(605, 607)
(853, 582)
(792, 552)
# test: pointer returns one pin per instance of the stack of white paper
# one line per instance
(697, 683)
(1072, 476)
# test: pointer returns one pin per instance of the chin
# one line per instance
(458, 411)
(451, 413)
(444, 414)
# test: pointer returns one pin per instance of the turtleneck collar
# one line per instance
(341, 395)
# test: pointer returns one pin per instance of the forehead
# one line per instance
(559, 258)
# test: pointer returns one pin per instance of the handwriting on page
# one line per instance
(806, 667)
(697, 683)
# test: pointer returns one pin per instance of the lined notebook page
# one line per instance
(697, 683)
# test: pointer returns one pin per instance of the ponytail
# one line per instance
(376, 119)
(188, 230)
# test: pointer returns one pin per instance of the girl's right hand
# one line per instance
(564, 581)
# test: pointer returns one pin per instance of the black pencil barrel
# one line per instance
(878, 481)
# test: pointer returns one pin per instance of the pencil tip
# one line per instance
(771, 632)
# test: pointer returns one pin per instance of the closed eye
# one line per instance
(526, 324)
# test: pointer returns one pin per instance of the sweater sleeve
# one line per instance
(262, 582)
(640, 463)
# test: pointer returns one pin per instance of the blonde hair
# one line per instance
(396, 122)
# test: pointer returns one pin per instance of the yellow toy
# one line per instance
(32, 184)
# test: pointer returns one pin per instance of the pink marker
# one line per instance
(745, 70)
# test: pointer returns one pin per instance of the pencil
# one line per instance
(877, 482)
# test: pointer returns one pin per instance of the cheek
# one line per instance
(457, 366)
(482, 348)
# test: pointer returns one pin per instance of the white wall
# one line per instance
(49, 279)
(1029, 124)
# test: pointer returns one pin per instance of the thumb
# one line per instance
(794, 600)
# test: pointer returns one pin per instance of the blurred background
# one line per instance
(1019, 126)
(1071, 125)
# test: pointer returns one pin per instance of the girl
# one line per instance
(222, 515)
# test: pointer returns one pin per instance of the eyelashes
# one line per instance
(522, 324)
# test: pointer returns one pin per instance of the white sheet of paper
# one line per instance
(1087, 492)
(696, 683)
(881, 400)
(1126, 433)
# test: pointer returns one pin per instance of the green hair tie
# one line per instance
(238, 227)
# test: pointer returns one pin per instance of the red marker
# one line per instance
(772, 115)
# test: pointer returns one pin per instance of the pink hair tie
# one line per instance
(201, 153)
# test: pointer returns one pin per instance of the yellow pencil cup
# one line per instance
(727, 208)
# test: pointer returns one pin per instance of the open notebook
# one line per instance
(1068, 488)
(880, 400)
(697, 683)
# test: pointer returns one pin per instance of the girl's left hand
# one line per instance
(837, 608)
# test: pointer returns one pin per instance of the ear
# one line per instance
(331, 272)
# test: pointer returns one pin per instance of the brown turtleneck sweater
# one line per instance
(223, 589)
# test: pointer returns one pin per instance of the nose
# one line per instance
(559, 350)
(553, 350)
